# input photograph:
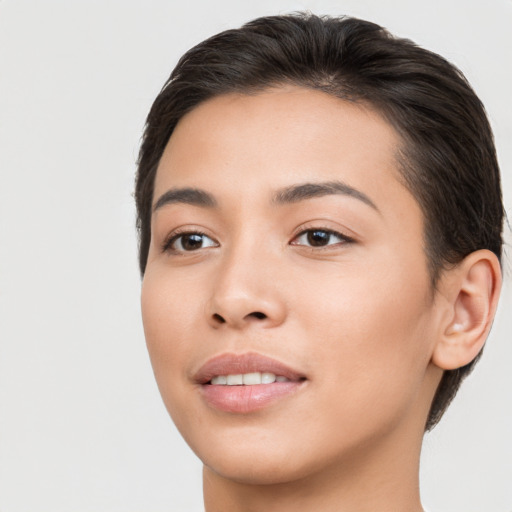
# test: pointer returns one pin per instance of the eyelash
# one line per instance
(176, 235)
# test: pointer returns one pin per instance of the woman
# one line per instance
(320, 218)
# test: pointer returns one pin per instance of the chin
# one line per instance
(262, 470)
(254, 456)
(250, 455)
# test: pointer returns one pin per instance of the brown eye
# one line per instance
(186, 242)
(320, 238)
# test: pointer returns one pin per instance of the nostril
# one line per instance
(218, 318)
(258, 315)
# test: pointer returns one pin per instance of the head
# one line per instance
(443, 148)
(446, 157)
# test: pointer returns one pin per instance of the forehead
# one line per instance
(279, 137)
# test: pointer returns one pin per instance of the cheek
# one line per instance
(170, 304)
(168, 315)
(371, 336)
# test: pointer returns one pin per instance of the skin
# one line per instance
(358, 316)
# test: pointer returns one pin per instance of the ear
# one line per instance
(472, 290)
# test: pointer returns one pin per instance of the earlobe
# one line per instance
(474, 288)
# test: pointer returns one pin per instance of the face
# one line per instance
(286, 302)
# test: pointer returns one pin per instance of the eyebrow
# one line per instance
(193, 196)
(304, 191)
(292, 194)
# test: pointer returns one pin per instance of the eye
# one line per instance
(320, 238)
(187, 242)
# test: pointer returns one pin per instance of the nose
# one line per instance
(246, 293)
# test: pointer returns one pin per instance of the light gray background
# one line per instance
(82, 427)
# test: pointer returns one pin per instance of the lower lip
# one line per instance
(246, 399)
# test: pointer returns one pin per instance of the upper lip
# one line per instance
(233, 364)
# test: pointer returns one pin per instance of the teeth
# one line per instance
(252, 378)
(235, 380)
(248, 379)
(267, 378)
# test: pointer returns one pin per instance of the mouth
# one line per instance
(246, 383)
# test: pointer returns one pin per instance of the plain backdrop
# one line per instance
(82, 427)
